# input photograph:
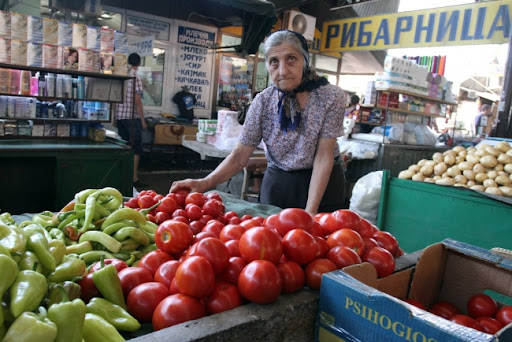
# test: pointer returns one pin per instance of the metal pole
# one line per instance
(504, 127)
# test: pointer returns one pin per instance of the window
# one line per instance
(152, 74)
(326, 63)
(235, 82)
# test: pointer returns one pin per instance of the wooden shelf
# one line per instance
(426, 97)
(65, 72)
(405, 111)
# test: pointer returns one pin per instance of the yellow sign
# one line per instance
(479, 23)
(314, 45)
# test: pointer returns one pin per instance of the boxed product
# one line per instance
(5, 82)
(107, 39)
(120, 42)
(50, 56)
(96, 61)
(355, 305)
(166, 134)
(68, 58)
(79, 36)
(18, 26)
(65, 34)
(34, 54)
(107, 62)
(93, 38)
(5, 24)
(391, 99)
(18, 52)
(24, 128)
(5, 50)
(121, 63)
(50, 31)
(50, 129)
(207, 127)
(85, 59)
(37, 130)
(63, 130)
(15, 81)
(35, 29)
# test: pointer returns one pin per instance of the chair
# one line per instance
(255, 168)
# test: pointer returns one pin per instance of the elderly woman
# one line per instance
(298, 119)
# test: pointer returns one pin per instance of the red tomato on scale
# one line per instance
(299, 246)
(261, 243)
(293, 218)
(260, 282)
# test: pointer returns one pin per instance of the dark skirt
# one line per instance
(289, 189)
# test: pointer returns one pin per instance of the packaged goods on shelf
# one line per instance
(370, 96)
(68, 58)
(34, 29)
(24, 128)
(15, 81)
(107, 39)
(5, 24)
(63, 130)
(34, 54)
(37, 130)
(79, 36)
(5, 81)
(65, 34)
(107, 62)
(50, 31)
(50, 56)
(10, 127)
(18, 26)
(93, 38)
(18, 52)
(120, 63)
(50, 129)
(207, 127)
(120, 42)
(85, 59)
(5, 50)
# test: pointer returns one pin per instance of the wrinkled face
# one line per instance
(285, 65)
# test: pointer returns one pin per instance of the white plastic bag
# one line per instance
(366, 196)
(229, 133)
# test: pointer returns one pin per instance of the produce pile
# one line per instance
(103, 267)
(484, 168)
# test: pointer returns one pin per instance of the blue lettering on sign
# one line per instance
(382, 33)
(429, 28)
(332, 32)
(364, 38)
(348, 34)
(399, 29)
(465, 26)
(444, 26)
(480, 19)
(192, 36)
(502, 16)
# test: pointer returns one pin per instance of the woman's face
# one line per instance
(285, 65)
(73, 56)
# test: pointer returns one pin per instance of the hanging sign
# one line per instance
(141, 45)
(479, 23)
(194, 62)
(144, 26)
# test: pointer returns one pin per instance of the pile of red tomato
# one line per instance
(483, 313)
(209, 260)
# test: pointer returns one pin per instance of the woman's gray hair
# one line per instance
(284, 36)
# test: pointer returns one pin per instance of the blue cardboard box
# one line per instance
(357, 306)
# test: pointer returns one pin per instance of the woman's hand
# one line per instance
(192, 185)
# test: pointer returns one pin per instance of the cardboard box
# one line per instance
(356, 306)
(168, 134)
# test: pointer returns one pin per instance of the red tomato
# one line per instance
(153, 260)
(231, 232)
(206, 218)
(214, 227)
(196, 226)
(444, 309)
(489, 325)
(270, 221)
(214, 251)
(318, 216)
(202, 235)
(314, 271)
(144, 298)
(146, 201)
(235, 220)
(233, 247)
(158, 197)
(230, 214)
(195, 277)
(151, 217)
(365, 229)
(118, 264)
(382, 260)
(181, 219)
(232, 271)
(245, 217)
(466, 321)
(166, 272)
(162, 216)
(132, 203)
(173, 289)
(213, 195)
(504, 315)
(89, 290)
(131, 277)
(481, 305)
(293, 218)
(292, 275)
(259, 219)
(167, 205)
(416, 303)
(329, 224)
(348, 238)
(261, 243)
(213, 207)
(343, 256)
(299, 246)
(175, 309)
(386, 240)
(249, 223)
(196, 198)
(322, 247)
(173, 236)
(347, 219)
(151, 193)
(369, 243)
(317, 229)
(260, 282)
(221, 219)
(179, 212)
(194, 212)
(224, 297)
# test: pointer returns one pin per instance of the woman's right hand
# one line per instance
(192, 185)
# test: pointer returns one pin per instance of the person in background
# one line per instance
(483, 120)
(298, 118)
(354, 101)
(126, 122)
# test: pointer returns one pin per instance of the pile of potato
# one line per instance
(483, 168)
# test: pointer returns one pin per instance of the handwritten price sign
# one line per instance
(141, 45)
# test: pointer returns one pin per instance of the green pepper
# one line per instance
(72, 289)
(108, 284)
(79, 248)
(93, 256)
(28, 261)
(129, 245)
(8, 273)
(69, 316)
(27, 291)
(124, 214)
(57, 249)
(4, 251)
(134, 233)
(69, 268)
(3, 331)
(7, 315)
(57, 234)
(81, 196)
(42, 220)
(33, 228)
(12, 238)
(114, 314)
(38, 244)
(97, 329)
(114, 227)
(31, 327)
(106, 240)
(7, 219)
(71, 216)
(92, 207)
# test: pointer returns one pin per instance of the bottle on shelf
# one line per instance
(25, 76)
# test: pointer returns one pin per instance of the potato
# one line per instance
(499, 167)
(415, 168)
(436, 178)
(439, 169)
(510, 177)
(429, 180)
(427, 170)
(480, 153)
(472, 159)
(504, 158)
(460, 179)
(449, 159)
(406, 174)
(506, 191)
(482, 146)
(463, 153)
(466, 166)
(459, 185)
(492, 151)
(492, 174)
(453, 171)
(471, 149)
(419, 177)
(450, 153)
(488, 161)
(430, 162)
(470, 183)
(489, 183)
(508, 168)
(479, 168)
(444, 175)
(480, 177)
(509, 152)
(421, 162)
(437, 157)
(477, 187)
(445, 181)
(502, 173)
(503, 146)
(469, 174)
(459, 159)
(459, 149)
(494, 191)
(502, 180)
